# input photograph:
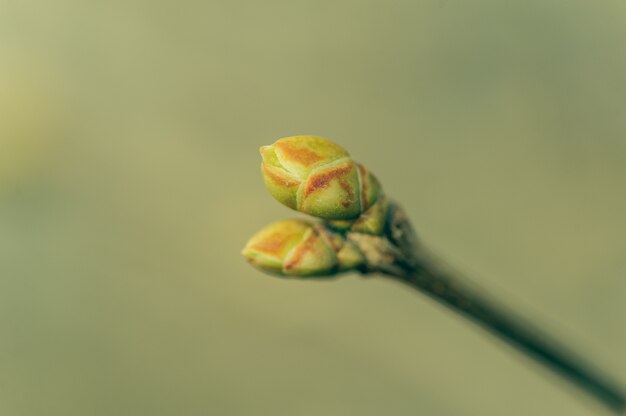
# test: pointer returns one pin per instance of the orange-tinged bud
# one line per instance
(318, 177)
(299, 248)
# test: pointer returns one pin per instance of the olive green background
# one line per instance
(129, 182)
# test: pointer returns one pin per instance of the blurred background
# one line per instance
(129, 182)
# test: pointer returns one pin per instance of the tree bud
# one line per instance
(318, 177)
(299, 248)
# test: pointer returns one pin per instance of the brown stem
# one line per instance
(510, 328)
(398, 255)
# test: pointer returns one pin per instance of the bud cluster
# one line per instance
(317, 177)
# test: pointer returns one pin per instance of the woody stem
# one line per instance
(512, 329)
(421, 271)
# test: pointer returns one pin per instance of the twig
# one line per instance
(418, 269)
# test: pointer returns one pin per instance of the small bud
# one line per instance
(299, 248)
(374, 219)
(318, 177)
(350, 257)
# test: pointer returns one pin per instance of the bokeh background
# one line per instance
(129, 182)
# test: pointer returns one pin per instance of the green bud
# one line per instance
(374, 219)
(318, 177)
(299, 248)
